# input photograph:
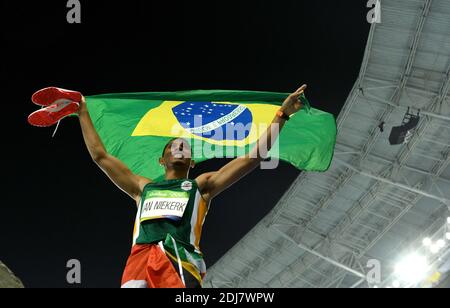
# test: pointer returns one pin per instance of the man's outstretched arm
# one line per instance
(214, 183)
(116, 170)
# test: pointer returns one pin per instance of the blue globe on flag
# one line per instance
(216, 121)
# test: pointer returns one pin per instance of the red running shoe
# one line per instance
(52, 95)
(51, 115)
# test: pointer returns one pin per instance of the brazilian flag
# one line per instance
(135, 127)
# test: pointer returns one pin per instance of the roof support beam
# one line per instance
(386, 102)
(425, 93)
(319, 255)
(390, 162)
(387, 181)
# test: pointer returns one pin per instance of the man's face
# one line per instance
(178, 153)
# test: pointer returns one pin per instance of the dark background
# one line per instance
(56, 204)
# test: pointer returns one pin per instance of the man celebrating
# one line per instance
(166, 242)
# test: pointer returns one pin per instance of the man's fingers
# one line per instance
(296, 95)
(302, 89)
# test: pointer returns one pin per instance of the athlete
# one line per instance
(166, 242)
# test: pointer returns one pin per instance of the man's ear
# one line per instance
(161, 162)
(192, 164)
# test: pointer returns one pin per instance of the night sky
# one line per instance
(56, 204)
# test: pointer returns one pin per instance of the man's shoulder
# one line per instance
(202, 183)
(142, 182)
(202, 180)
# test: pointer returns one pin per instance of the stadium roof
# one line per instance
(377, 201)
